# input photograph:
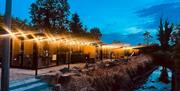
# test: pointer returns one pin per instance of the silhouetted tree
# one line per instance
(50, 14)
(96, 33)
(85, 29)
(75, 24)
(176, 58)
(164, 34)
(176, 35)
(147, 37)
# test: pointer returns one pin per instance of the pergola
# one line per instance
(22, 39)
(34, 49)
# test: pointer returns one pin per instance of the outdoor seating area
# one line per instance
(33, 50)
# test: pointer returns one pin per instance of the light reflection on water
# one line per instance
(153, 83)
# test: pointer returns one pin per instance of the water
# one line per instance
(29, 84)
(153, 83)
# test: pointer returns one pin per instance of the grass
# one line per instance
(111, 78)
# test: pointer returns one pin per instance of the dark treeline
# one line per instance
(54, 16)
(168, 35)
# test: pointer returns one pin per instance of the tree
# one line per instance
(164, 34)
(50, 14)
(147, 37)
(176, 35)
(75, 24)
(176, 57)
(96, 32)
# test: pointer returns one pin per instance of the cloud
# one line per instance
(170, 11)
(134, 29)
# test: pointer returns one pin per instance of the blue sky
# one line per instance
(113, 16)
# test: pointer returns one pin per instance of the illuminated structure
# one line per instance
(40, 49)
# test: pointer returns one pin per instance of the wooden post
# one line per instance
(35, 57)
(69, 61)
(57, 57)
(22, 52)
(6, 49)
(101, 54)
(177, 74)
(11, 52)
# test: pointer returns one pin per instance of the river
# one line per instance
(153, 83)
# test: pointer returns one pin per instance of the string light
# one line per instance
(66, 40)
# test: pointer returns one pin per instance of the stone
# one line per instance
(91, 68)
(75, 68)
(87, 89)
(152, 87)
(58, 87)
(84, 70)
(65, 78)
(107, 65)
(52, 78)
(64, 70)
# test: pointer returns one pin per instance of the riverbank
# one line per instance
(101, 76)
(154, 84)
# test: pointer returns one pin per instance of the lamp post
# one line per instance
(6, 49)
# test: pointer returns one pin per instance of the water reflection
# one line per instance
(153, 83)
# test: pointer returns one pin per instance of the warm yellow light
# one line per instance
(127, 48)
(22, 34)
(9, 32)
(34, 37)
(4, 35)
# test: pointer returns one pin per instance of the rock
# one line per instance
(152, 81)
(76, 71)
(68, 74)
(65, 78)
(152, 87)
(91, 68)
(87, 89)
(58, 87)
(52, 78)
(107, 65)
(75, 68)
(84, 70)
(64, 70)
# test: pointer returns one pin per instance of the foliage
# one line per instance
(50, 14)
(147, 37)
(176, 35)
(164, 34)
(75, 24)
(96, 32)
(177, 42)
(177, 49)
(17, 23)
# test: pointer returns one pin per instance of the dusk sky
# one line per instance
(113, 16)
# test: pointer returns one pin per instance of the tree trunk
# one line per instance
(177, 75)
